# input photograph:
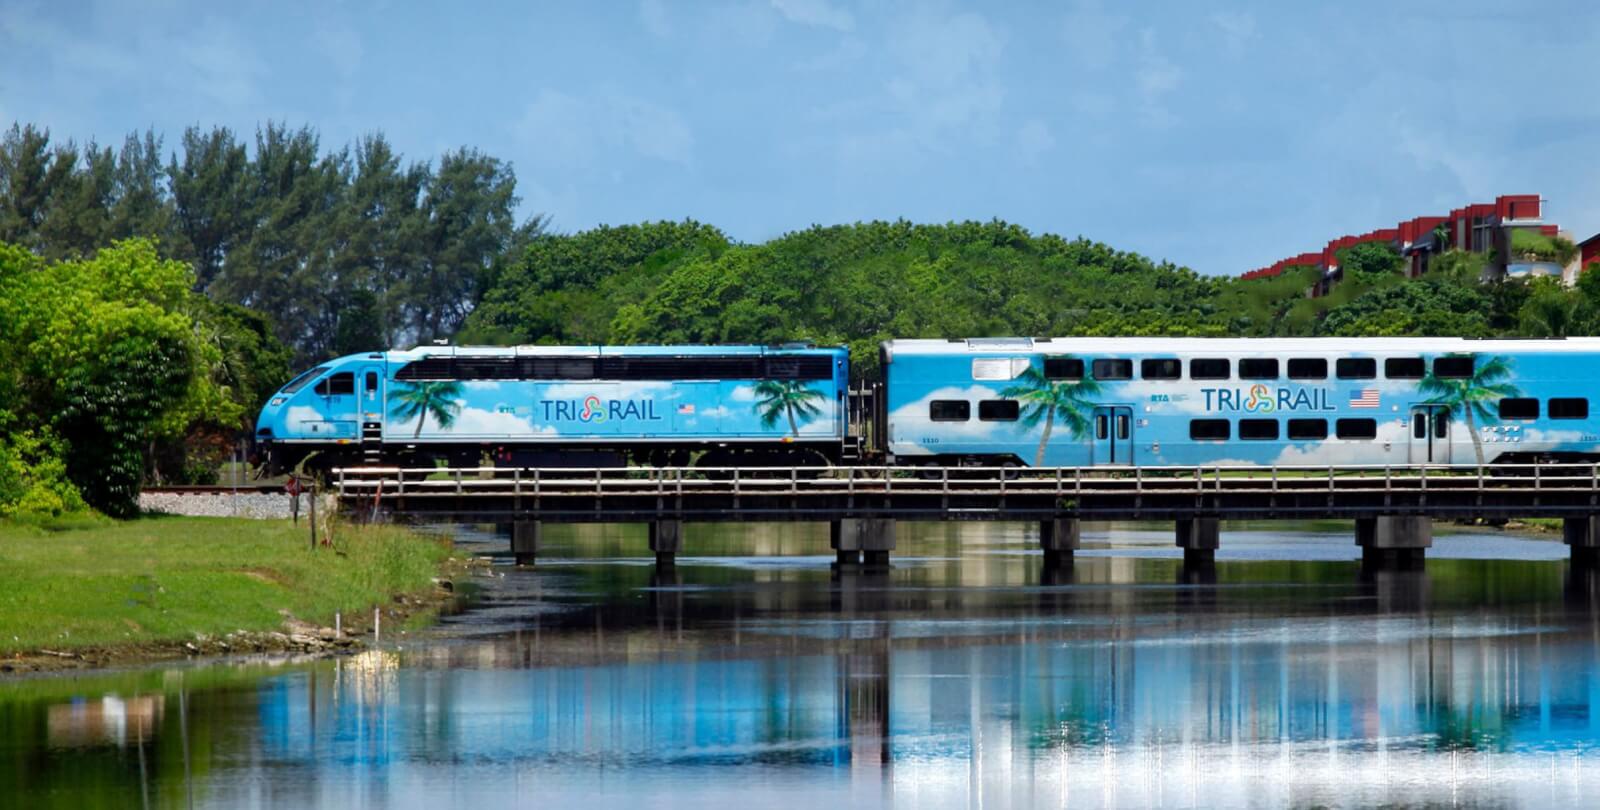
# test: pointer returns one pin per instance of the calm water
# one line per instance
(756, 676)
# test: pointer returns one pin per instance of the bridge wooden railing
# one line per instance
(1526, 489)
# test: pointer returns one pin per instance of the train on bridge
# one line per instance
(1058, 402)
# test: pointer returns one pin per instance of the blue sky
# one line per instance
(1219, 137)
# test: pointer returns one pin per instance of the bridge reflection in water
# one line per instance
(785, 682)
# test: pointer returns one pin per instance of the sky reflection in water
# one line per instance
(965, 676)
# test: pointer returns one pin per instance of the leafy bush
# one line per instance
(33, 480)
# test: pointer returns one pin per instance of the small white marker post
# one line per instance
(377, 625)
(338, 624)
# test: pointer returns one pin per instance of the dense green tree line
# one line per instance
(859, 284)
(107, 361)
(343, 250)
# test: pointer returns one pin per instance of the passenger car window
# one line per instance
(1258, 368)
(1404, 368)
(1161, 368)
(949, 410)
(1519, 408)
(1308, 368)
(1063, 368)
(999, 368)
(1209, 368)
(1113, 369)
(1355, 368)
(1569, 408)
(1258, 429)
(1207, 429)
(1356, 428)
(1306, 429)
(997, 410)
(1457, 366)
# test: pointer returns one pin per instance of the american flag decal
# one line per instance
(685, 409)
(1365, 398)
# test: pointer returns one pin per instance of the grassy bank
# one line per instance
(165, 579)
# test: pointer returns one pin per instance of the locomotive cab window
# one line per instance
(1162, 368)
(949, 410)
(1519, 408)
(372, 382)
(1113, 369)
(1308, 368)
(1063, 368)
(1404, 368)
(339, 384)
(1308, 429)
(1209, 368)
(1458, 367)
(1208, 429)
(304, 379)
(1355, 368)
(997, 410)
(1258, 368)
(1258, 429)
(1569, 408)
(1356, 428)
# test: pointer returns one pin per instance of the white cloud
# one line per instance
(1391, 431)
(1092, 35)
(1033, 140)
(908, 420)
(743, 393)
(716, 413)
(481, 422)
(298, 414)
(815, 12)
(341, 46)
(565, 130)
(1155, 77)
(653, 14)
(943, 89)
(1238, 28)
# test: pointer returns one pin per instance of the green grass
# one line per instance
(162, 579)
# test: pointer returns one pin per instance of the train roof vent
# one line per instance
(994, 344)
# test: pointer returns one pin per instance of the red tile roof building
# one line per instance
(1479, 228)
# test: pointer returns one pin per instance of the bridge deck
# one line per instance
(614, 495)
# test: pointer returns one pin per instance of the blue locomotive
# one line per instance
(563, 406)
(1238, 402)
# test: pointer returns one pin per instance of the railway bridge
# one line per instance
(1393, 506)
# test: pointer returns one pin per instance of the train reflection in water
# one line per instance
(948, 680)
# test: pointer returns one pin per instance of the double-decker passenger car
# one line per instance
(1239, 402)
(564, 406)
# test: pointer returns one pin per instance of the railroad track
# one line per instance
(195, 489)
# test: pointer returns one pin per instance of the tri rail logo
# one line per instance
(1259, 398)
(594, 410)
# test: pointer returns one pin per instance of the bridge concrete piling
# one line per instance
(1582, 536)
(1059, 538)
(866, 541)
(1394, 540)
(526, 536)
(666, 540)
(1199, 538)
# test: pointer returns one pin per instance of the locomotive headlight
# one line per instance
(277, 400)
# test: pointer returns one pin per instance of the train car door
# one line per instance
(369, 394)
(1112, 432)
(369, 386)
(1430, 434)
